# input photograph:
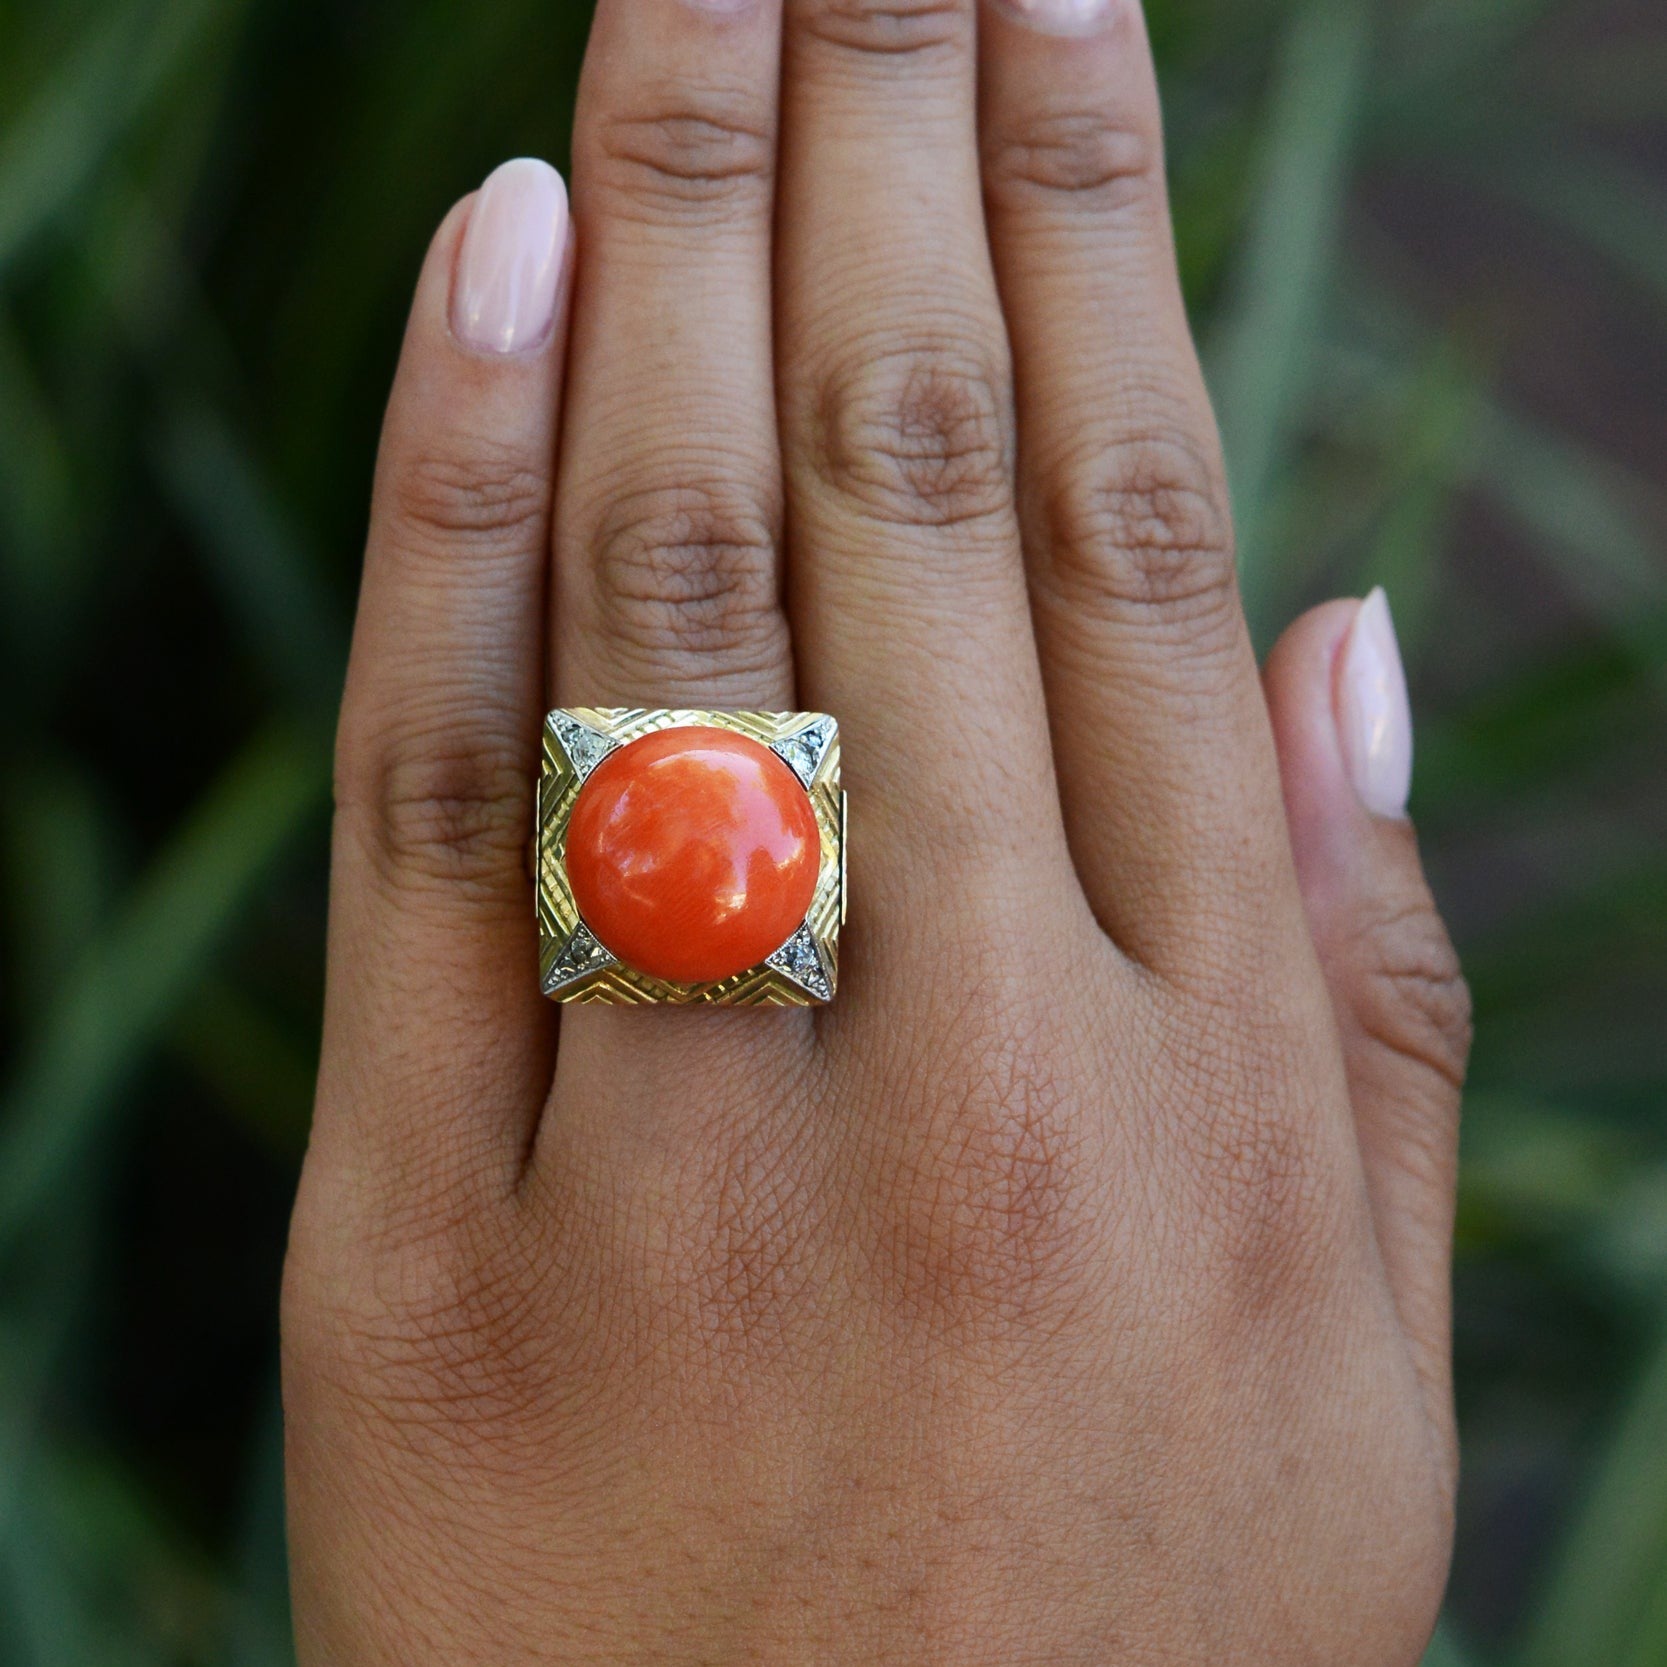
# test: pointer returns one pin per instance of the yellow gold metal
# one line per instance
(574, 966)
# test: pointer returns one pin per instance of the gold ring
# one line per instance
(690, 856)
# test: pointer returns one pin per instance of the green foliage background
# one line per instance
(1426, 245)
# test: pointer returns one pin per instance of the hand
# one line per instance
(1072, 1290)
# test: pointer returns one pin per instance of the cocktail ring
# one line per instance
(690, 856)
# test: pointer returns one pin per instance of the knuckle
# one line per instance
(1267, 1206)
(988, 1218)
(690, 575)
(1143, 532)
(1412, 997)
(1081, 156)
(433, 803)
(881, 29)
(697, 151)
(439, 1343)
(1263, 1177)
(918, 438)
(477, 494)
(740, 1252)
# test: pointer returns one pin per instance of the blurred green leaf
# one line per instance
(1262, 350)
(1545, 727)
(56, 864)
(1616, 209)
(261, 1632)
(156, 949)
(1444, 1651)
(1614, 79)
(37, 511)
(1603, 1600)
(1534, 1168)
(52, 149)
(268, 580)
(1431, 462)
(1580, 505)
(253, 1066)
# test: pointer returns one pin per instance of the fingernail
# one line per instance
(1061, 17)
(1374, 717)
(509, 268)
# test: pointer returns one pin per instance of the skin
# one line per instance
(1074, 1290)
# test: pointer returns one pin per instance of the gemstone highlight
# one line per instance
(693, 853)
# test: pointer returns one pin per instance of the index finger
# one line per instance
(432, 998)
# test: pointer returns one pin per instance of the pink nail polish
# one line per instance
(509, 268)
(1374, 716)
(1061, 17)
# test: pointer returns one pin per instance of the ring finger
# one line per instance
(1161, 734)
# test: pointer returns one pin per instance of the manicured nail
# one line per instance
(508, 271)
(1061, 17)
(1374, 717)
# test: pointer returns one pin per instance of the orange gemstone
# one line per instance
(693, 854)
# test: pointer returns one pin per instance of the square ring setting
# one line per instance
(799, 754)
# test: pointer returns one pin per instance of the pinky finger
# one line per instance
(1337, 696)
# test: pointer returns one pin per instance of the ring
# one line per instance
(690, 857)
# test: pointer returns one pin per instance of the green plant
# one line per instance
(210, 214)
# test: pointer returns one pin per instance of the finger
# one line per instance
(669, 507)
(909, 608)
(437, 1044)
(1338, 700)
(1161, 740)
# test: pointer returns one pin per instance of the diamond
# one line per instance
(580, 956)
(804, 750)
(800, 959)
(585, 747)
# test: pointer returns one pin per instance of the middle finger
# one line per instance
(668, 503)
(907, 586)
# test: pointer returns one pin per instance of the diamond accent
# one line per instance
(585, 747)
(582, 955)
(803, 751)
(800, 959)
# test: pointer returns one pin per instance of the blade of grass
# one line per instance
(267, 579)
(1617, 210)
(56, 863)
(1262, 354)
(1615, 81)
(1451, 82)
(37, 504)
(1648, 1645)
(261, 1633)
(1431, 461)
(1445, 1651)
(146, 1592)
(55, 146)
(128, 986)
(259, 1073)
(1603, 1593)
(1580, 507)
(1544, 727)
(1586, 513)
(419, 118)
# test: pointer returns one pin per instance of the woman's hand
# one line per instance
(1074, 1289)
